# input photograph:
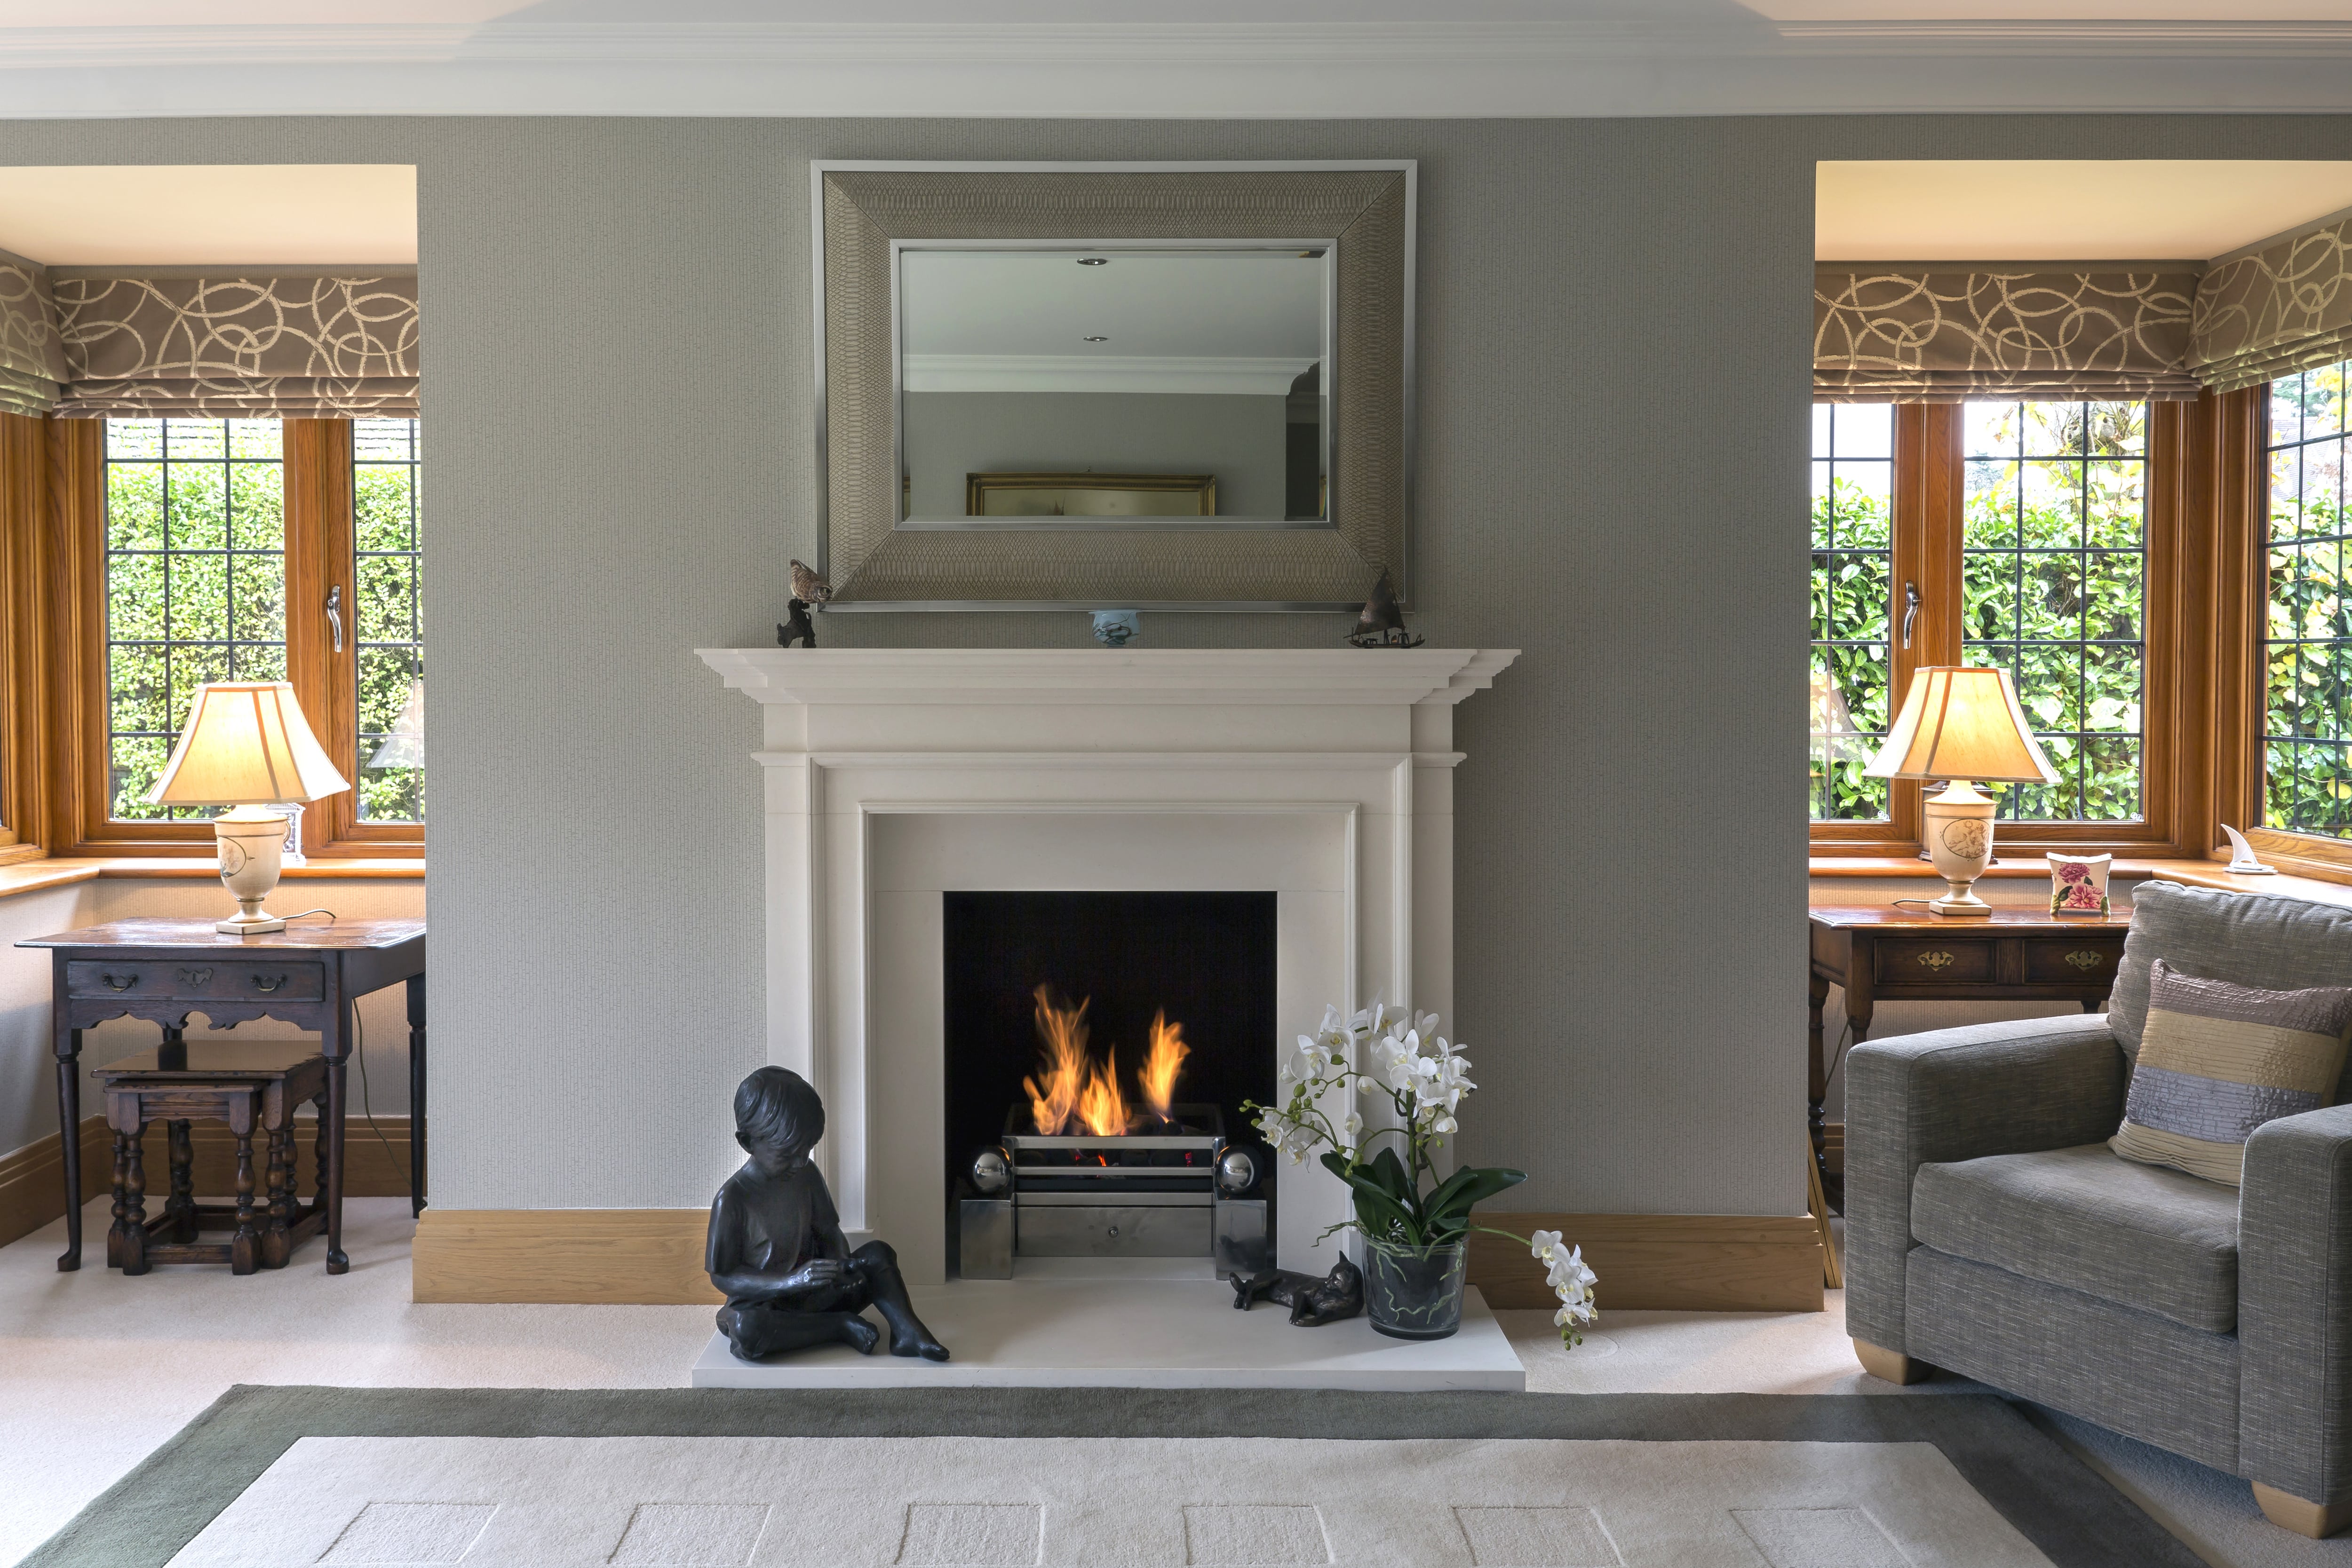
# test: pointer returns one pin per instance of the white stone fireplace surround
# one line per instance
(895, 775)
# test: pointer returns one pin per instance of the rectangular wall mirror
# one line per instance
(1114, 385)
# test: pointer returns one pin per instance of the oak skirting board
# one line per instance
(32, 1180)
(1687, 1262)
(601, 1257)
(654, 1257)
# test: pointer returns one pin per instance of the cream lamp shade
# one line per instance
(246, 744)
(1961, 722)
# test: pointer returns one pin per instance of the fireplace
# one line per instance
(1099, 1050)
(895, 778)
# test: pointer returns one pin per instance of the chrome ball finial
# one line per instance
(1235, 1173)
(989, 1172)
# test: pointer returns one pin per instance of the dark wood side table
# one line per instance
(1880, 953)
(307, 975)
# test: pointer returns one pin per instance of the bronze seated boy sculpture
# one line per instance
(775, 1247)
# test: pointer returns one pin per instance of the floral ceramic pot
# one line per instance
(1414, 1292)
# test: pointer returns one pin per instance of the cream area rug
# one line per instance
(1107, 1502)
(1093, 1477)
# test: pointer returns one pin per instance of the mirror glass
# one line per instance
(1114, 388)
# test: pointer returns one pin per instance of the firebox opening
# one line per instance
(1118, 1030)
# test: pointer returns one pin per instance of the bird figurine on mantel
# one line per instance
(1381, 624)
(808, 589)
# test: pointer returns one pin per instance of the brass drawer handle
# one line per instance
(1936, 961)
(2086, 960)
(259, 984)
(114, 982)
(196, 977)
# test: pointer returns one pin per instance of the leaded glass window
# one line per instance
(2052, 567)
(195, 584)
(1853, 569)
(390, 643)
(2308, 784)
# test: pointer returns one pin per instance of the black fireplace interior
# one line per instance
(1206, 960)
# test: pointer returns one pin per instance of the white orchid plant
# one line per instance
(1398, 1200)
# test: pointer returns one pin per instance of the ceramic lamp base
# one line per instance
(251, 843)
(1958, 823)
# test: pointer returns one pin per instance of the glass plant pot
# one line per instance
(1414, 1292)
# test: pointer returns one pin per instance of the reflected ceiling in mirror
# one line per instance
(1114, 386)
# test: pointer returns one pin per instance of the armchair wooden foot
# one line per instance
(1891, 1365)
(2288, 1512)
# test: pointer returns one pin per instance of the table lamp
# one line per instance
(247, 746)
(1962, 725)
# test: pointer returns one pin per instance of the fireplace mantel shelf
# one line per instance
(1195, 676)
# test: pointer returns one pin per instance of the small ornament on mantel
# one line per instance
(808, 589)
(1381, 624)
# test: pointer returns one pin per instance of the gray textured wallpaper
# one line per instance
(1614, 332)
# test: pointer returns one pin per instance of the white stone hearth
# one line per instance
(894, 775)
(1137, 1333)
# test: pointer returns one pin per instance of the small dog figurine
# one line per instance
(1312, 1302)
(808, 589)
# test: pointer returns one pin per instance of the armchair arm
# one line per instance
(2295, 1305)
(1955, 1094)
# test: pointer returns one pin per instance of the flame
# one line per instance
(1070, 1094)
(1164, 1062)
(1063, 1031)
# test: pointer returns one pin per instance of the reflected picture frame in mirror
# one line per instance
(901, 531)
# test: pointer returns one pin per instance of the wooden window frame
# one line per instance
(23, 642)
(2308, 854)
(2193, 600)
(319, 556)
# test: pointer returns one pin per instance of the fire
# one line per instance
(1077, 1095)
(1101, 1108)
(1063, 1031)
(1161, 1066)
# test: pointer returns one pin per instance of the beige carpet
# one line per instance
(966, 1502)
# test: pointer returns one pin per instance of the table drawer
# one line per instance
(2073, 960)
(197, 980)
(1931, 960)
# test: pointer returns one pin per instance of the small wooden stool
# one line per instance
(252, 1086)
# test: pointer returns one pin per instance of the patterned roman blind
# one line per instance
(1947, 334)
(2284, 309)
(31, 364)
(237, 348)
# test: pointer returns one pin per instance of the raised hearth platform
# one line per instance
(1156, 1333)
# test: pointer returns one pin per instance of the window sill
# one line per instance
(31, 876)
(2194, 874)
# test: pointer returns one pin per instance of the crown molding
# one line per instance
(1174, 70)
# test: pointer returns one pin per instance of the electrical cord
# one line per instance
(359, 1049)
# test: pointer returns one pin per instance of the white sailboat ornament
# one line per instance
(2243, 858)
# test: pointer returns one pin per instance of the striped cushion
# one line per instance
(2217, 1060)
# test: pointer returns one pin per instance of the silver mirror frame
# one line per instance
(861, 212)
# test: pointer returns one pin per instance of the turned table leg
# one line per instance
(245, 1245)
(130, 1198)
(276, 1242)
(181, 1206)
(68, 1054)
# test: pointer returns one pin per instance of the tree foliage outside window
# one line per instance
(2308, 781)
(1854, 565)
(2054, 560)
(390, 636)
(195, 584)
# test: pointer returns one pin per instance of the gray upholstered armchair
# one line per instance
(1990, 1231)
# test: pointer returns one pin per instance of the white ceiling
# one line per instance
(1280, 58)
(211, 214)
(2058, 210)
(1206, 304)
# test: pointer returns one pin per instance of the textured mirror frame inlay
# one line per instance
(1365, 210)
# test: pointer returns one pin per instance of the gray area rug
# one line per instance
(2058, 1504)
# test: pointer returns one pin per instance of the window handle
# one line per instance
(1910, 611)
(335, 618)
